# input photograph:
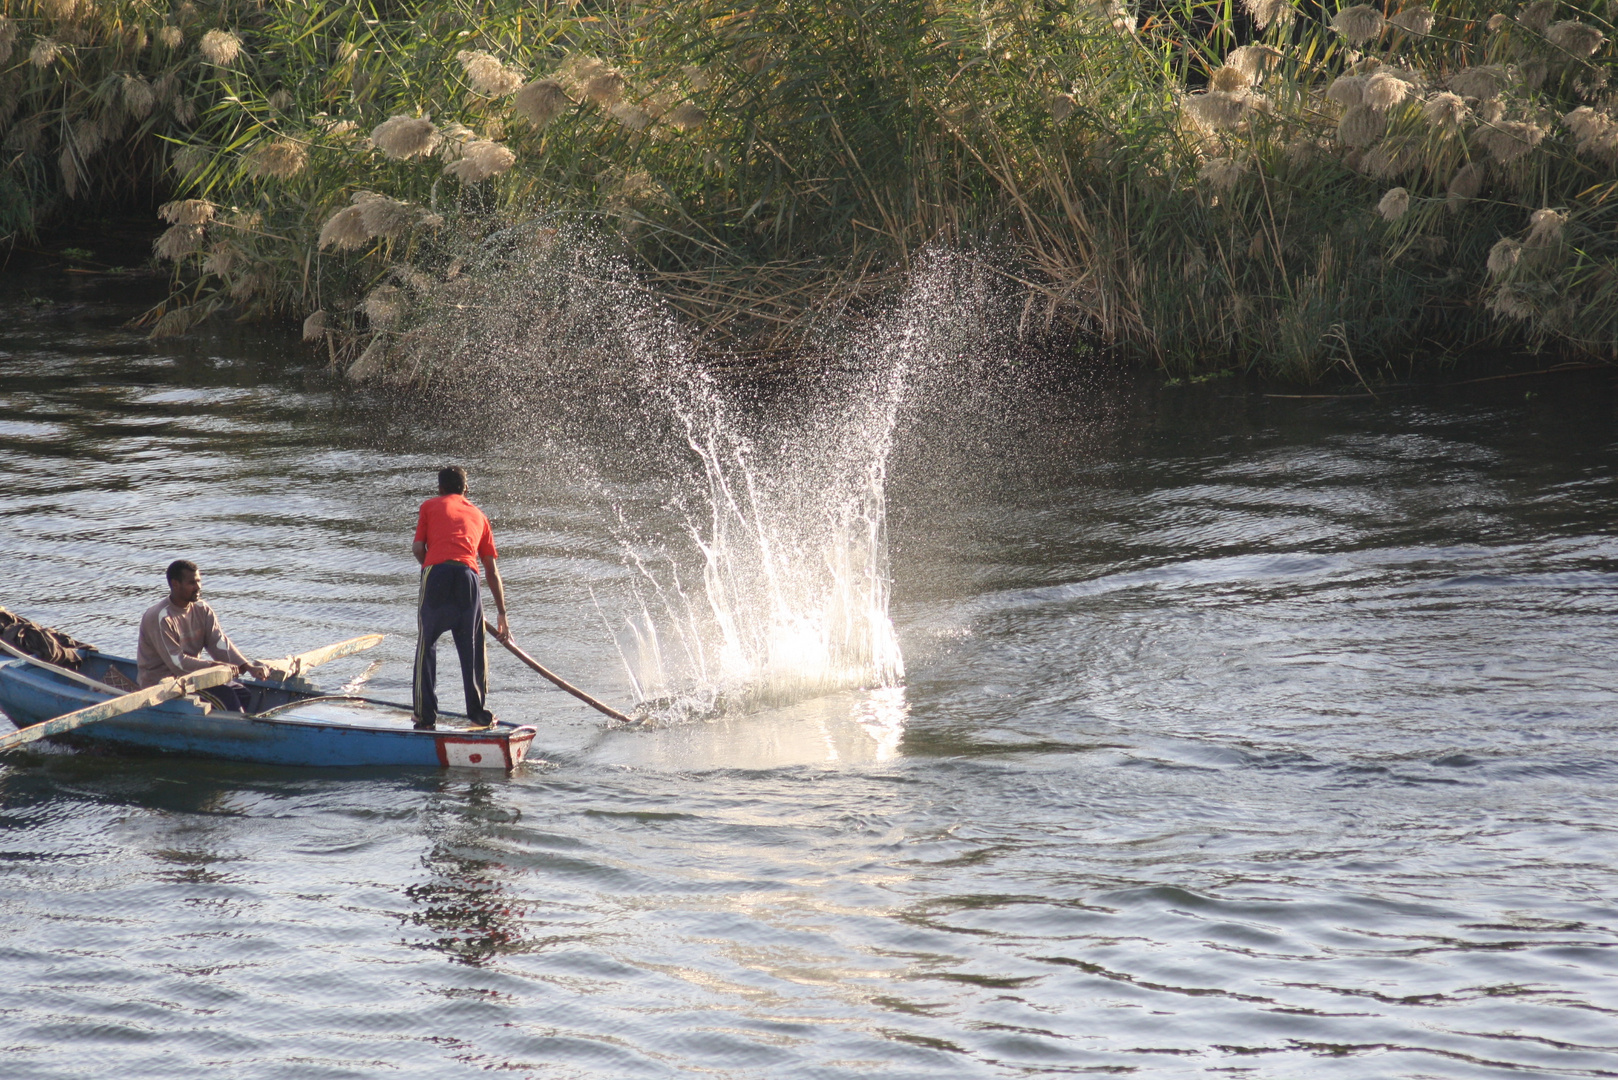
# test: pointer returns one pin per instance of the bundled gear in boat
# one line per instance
(41, 642)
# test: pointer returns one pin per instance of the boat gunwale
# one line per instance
(504, 729)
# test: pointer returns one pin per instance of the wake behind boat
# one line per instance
(285, 722)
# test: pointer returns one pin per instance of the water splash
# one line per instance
(761, 576)
(780, 589)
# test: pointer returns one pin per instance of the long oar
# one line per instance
(167, 690)
(291, 667)
(561, 683)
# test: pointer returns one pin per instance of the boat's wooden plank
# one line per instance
(167, 690)
(292, 666)
(84, 680)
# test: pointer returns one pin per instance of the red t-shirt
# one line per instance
(454, 531)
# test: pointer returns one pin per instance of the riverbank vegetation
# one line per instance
(1281, 188)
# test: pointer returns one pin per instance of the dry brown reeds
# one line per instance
(404, 137)
(280, 159)
(488, 76)
(220, 47)
(540, 102)
(479, 160)
(1394, 204)
(1358, 24)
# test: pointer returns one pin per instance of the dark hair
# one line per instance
(452, 480)
(181, 567)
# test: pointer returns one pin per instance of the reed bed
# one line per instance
(1279, 188)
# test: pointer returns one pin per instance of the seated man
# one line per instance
(175, 631)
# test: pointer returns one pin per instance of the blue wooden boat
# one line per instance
(290, 723)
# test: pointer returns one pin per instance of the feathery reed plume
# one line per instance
(1482, 82)
(1361, 126)
(1504, 257)
(87, 137)
(314, 327)
(1533, 73)
(401, 137)
(1496, 21)
(70, 172)
(1596, 131)
(1536, 15)
(1545, 227)
(1347, 90)
(480, 160)
(384, 306)
(1575, 38)
(220, 258)
(383, 217)
(1384, 90)
(138, 95)
(344, 230)
(1358, 24)
(1511, 302)
(577, 70)
(1061, 106)
(1511, 139)
(1466, 183)
(8, 38)
(487, 74)
(60, 10)
(189, 161)
(220, 47)
(1268, 12)
(1253, 60)
(1214, 110)
(279, 158)
(370, 361)
(281, 100)
(1393, 204)
(1446, 109)
(1222, 174)
(605, 87)
(631, 117)
(688, 117)
(44, 52)
(1415, 21)
(1229, 80)
(170, 37)
(187, 212)
(110, 125)
(178, 241)
(540, 102)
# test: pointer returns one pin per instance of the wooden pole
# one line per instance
(561, 683)
(167, 690)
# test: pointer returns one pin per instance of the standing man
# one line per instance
(177, 629)
(451, 536)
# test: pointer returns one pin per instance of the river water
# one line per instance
(1238, 736)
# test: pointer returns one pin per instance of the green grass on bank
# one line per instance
(1205, 186)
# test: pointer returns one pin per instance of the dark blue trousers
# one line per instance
(449, 600)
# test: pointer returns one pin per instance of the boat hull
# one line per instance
(307, 730)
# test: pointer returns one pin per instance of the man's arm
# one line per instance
(498, 588)
(419, 549)
(221, 648)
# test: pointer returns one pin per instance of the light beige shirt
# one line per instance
(172, 641)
